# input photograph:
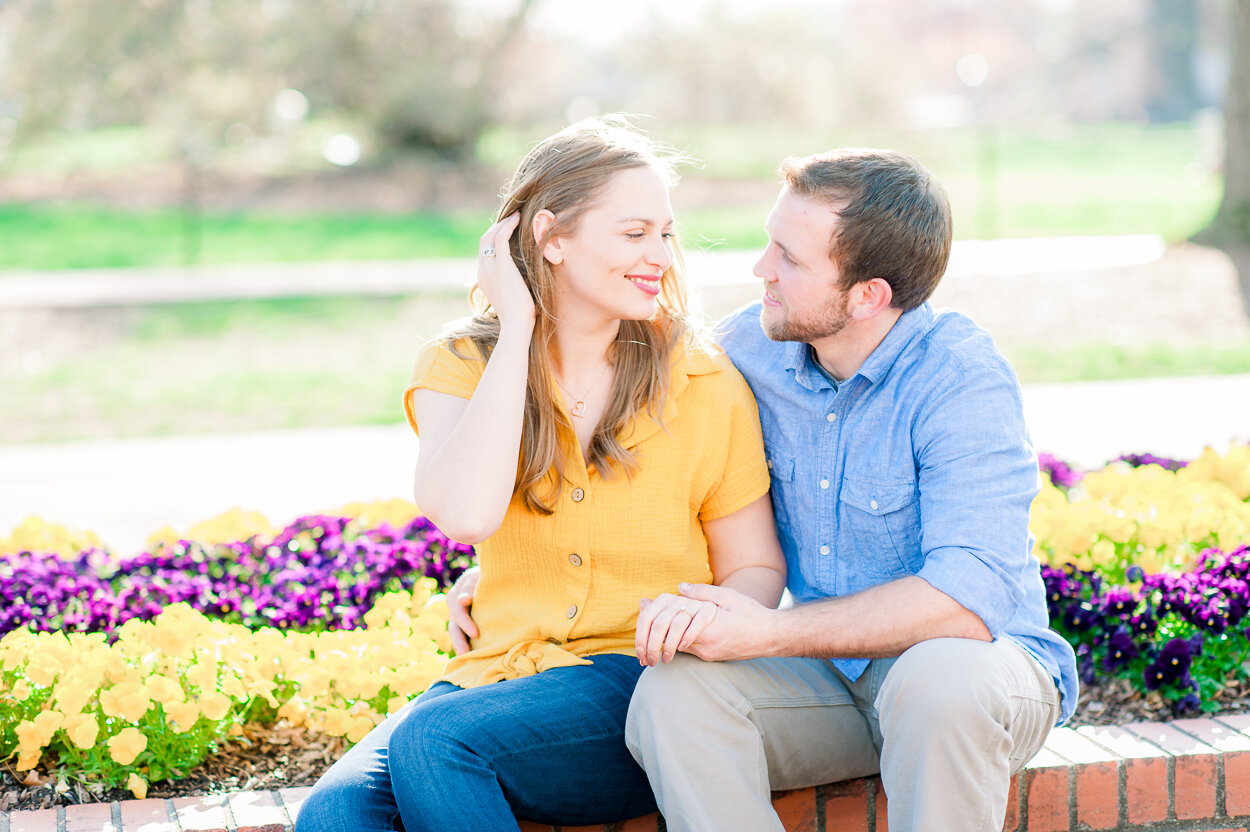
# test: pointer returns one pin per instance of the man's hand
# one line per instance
(741, 629)
(459, 601)
(669, 624)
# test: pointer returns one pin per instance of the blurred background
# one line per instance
(240, 215)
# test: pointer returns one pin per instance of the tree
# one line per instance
(1230, 229)
(420, 74)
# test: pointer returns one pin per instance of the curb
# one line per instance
(1190, 775)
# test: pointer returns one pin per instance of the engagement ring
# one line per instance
(488, 252)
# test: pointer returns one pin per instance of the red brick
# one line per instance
(292, 799)
(1097, 773)
(89, 817)
(39, 820)
(1195, 768)
(1011, 821)
(1146, 771)
(149, 815)
(846, 806)
(202, 814)
(646, 823)
(1235, 746)
(1046, 790)
(797, 810)
(881, 805)
(257, 811)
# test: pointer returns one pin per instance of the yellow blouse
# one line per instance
(557, 588)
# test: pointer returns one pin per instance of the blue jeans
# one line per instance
(548, 748)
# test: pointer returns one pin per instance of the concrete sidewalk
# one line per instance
(1122, 289)
(126, 489)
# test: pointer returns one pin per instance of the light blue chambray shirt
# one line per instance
(919, 464)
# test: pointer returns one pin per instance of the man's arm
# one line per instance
(881, 621)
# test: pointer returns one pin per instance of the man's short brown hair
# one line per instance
(894, 218)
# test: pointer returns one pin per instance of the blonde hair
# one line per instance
(565, 174)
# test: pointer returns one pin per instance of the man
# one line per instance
(902, 477)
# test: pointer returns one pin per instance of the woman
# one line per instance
(598, 453)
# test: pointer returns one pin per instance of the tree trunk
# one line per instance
(1230, 230)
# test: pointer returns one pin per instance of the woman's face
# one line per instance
(610, 265)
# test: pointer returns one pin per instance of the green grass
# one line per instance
(319, 362)
(1100, 179)
(82, 237)
(1101, 362)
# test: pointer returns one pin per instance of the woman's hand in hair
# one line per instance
(497, 274)
(459, 600)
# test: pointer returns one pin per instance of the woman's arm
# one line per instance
(469, 449)
(744, 554)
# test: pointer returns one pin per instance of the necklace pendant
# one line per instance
(578, 409)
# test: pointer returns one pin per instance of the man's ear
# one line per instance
(869, 298)
(543, 222)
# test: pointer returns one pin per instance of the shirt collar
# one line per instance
(910, 325)
(694, 358)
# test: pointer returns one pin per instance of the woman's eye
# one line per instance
(636, 235)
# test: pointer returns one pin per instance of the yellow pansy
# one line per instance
(137, 785)
(164, 690)
(27, 759)
(127, 745)
(215, 705)
(128, 701)
(82, 730)
(183, 715)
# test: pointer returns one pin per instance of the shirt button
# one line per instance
(824, 483)
(572, 611)
(830, 417)
(824, 550)
(873, 505)
(575, 559)
(578, 496)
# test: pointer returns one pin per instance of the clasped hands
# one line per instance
(715, 623)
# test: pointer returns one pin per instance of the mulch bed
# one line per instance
(276, 757)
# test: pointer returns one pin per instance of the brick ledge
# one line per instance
(1190, 775)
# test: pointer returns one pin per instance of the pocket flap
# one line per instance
(780, 467)
(877, 497)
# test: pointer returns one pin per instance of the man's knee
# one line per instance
(663, 692)
(939, 682)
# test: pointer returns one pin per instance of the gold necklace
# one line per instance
(578, 409)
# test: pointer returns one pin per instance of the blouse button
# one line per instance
(572, 611)
(829, 417)
(578, 495)
(824, 483)
(824, 550)
(575, 559)
(873, 505)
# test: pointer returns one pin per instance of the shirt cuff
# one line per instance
(975, 584)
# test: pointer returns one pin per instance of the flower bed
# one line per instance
(124, 671)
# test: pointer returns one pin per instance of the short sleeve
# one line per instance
(441, 370)
(745, 476)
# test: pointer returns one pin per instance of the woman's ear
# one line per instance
(543, 222)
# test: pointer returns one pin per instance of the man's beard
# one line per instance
(827, 322)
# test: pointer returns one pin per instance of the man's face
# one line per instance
(802, 301)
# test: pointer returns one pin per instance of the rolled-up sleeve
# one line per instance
(977, 480)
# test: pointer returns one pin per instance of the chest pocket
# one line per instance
(883, 521)
(781, 472)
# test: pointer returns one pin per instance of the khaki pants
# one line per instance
(946, 724)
